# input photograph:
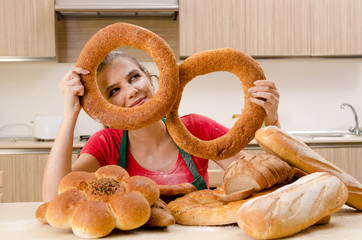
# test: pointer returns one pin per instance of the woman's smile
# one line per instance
(138, 102)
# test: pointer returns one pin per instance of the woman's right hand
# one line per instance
(71, 88)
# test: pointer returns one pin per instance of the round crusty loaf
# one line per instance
(160, 215)
(294, 207)
(277, 142)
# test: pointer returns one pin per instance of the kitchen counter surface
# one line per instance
(32, 144)
(17, 221)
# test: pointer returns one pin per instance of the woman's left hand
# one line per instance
(266, 95)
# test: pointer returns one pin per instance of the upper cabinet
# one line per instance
(27, 29)
(272, 28)
(209, 24)
(72, 35)
(337, 27)
(277, 27)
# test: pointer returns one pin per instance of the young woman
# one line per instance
(149, 151)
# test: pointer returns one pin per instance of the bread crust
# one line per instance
(277, 142)
(97, 48)
(294, 207)
(204, 208)
(252, 117)
(171, 192)
(160, 215)
(92, 219)
(109, 196)
(258, 171)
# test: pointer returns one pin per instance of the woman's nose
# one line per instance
(131, 91)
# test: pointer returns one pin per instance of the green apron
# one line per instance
(198, 182)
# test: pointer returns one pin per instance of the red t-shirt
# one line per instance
(104, 146)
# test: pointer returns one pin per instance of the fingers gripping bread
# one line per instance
(275, 141)
(292, 208)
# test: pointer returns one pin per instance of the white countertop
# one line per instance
(17, 221)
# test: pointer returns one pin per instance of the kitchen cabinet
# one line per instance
(27, 29)
(277, 27)
(210, 24)
(272, 28)
(73, 34)
(337, 27)
(23, 175)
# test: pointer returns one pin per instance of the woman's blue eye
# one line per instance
(113, 91)
(135, 76)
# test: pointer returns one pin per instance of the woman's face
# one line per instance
(124, 84)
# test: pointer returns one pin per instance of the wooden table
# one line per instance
(17, 221)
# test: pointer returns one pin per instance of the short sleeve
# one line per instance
(104, 146)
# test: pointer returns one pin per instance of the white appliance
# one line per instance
(45, 127)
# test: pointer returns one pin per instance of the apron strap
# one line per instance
(122, 159)
(198, 182)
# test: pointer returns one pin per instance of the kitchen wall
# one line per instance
(311, 90)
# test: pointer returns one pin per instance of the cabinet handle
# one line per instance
(1, 179)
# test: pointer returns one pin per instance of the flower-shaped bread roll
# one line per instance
(93, 204)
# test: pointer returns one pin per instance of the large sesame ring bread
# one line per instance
(93, 204)
(97, 48)
(252, 117)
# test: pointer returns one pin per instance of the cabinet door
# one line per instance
(277, 27)
(348, 159)
(23, 176)
(336, 27)
(27, 28)
(210, 24)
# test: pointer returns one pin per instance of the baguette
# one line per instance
(294, 207)
(275, 141)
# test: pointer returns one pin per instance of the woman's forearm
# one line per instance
(59, 162)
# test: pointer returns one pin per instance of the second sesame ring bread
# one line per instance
(251, 119)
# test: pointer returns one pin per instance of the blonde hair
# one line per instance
(112, 57)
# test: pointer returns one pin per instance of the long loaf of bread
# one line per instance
(292, 208)
(277, 142)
